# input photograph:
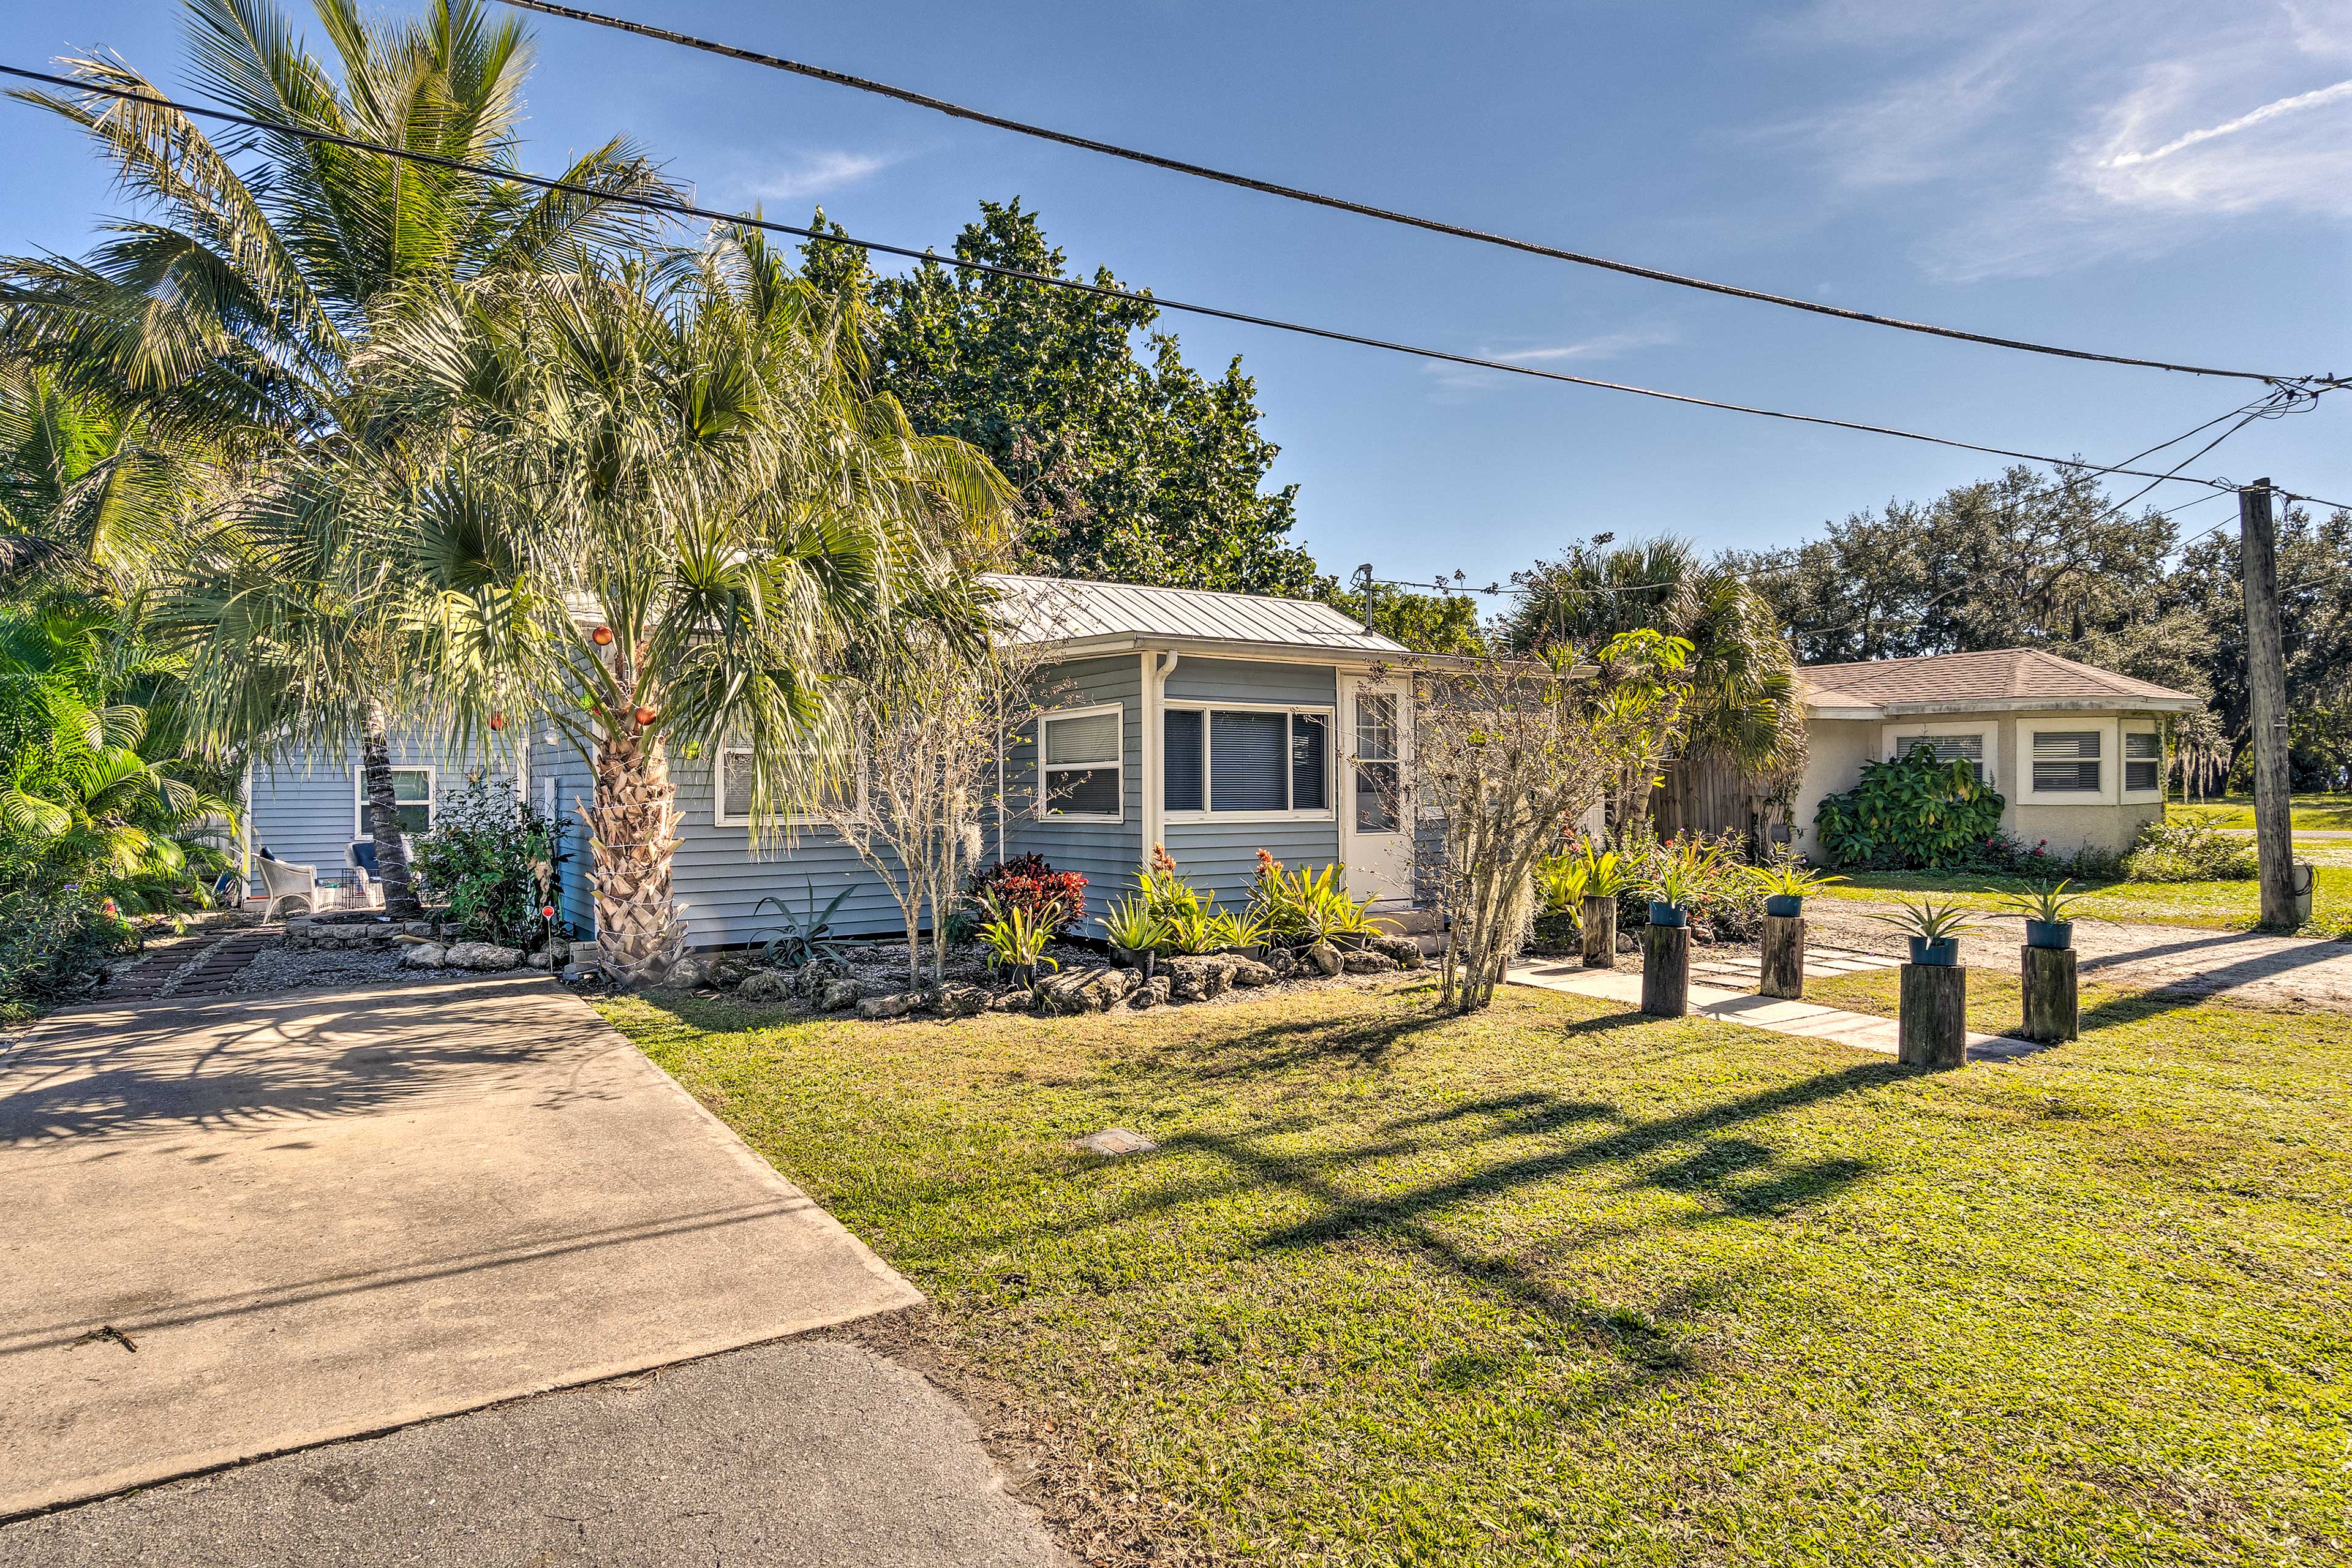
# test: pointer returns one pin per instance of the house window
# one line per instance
(2066, 761)
(2142, 762)
(1949, 749)
(1379, 767)
(1079, 762)
(732, 791)
(412, 799)
(1238, 760)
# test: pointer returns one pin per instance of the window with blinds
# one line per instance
(1949, 748)
(2142, 762)
(1246, 760)
(2066, 761)
(1078, 764)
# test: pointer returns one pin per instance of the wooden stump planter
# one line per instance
(1933, 1031)
(1784, 957)
(1665, 970)
(2052, 1013)
(1599, 923)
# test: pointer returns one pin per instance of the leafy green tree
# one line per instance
(1132, 467)
(235, 310)
(1740, 702)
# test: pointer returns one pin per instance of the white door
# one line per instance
(1375, 812)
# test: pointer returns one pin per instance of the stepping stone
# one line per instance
(1116, 1140)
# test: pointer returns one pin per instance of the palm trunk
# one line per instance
(633, 840)
(384, 814)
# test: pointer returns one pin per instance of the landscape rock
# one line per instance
(1284, 961)
(685, 972)
(726, 973)
(1116, 1140)
(1248, 971)
(1323, 959)
(486, 956)
(1152, 993)
(538, 960)
(559, 952)
(424, 955)
(765, 985)
(1084, 990)
(1403, 949)
(897, 1004)
(958, 1000)
(1017, 1000)
(819, 973)
(1626, 944)
(1370, 961)
(839, 995)
(416, 928)
(1196, 979)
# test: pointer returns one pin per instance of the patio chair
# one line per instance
(284, 883)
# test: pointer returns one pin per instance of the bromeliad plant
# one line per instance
(1684, 875)
(1561, 881)
(1790, 878)
(1130, 924)
(1015, 938)
(1227, 929)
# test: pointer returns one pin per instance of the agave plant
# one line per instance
(1929, 921)
(2046, 903)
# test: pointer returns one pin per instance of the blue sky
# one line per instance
(2172, 180)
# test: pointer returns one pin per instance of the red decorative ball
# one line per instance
(602, 637)
(547, 911)
(647, 715)
(497, 721)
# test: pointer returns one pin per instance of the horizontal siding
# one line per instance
(1248, 680)
(560, 779)
(304, 808)
(1221, 857)
(1105, 853)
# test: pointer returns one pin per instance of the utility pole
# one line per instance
(2266, 694)
(1364, 581)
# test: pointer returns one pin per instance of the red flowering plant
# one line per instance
(1029, 883)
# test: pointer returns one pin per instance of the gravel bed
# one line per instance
(281, 968)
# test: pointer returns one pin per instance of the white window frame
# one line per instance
(2122, 763)
(722, 817)
(432, 801)
(1117, 765)
(1327, 712)
(2111, 763)
(1898, 737)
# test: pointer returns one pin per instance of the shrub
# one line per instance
(1912, 814)
(1030, 884)
(56, 943)
(494, 859)
(2189, 852)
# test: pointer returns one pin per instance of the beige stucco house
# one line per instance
(2077, 753)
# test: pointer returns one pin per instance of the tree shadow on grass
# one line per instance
(1286, 1044)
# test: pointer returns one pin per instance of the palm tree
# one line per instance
(671, 516)
(90, 501)
(1740, 701)
(234, 311)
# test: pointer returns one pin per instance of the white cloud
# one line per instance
(818, 174)
(2052, 137)
(1457, 380)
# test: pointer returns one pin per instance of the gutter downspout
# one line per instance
(1155, 783)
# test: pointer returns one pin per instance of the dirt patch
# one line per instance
(1098, 1510)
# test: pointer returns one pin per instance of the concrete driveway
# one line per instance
(239, 1228)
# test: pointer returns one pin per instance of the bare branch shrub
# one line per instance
(1506, 755)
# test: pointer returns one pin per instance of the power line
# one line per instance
(1340, 204)
(736, 220)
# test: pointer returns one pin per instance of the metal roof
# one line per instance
(1066, 610)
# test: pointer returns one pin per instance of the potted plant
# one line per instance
(1934, 929)
(1678, 883)
(1187, 928)
(1016, 939)
(1786, 882)
(2049, 914)
(1243, 933)
(1134, 931)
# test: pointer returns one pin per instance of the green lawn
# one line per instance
(2219, 906)
(2331, 813)
(1559, 1285)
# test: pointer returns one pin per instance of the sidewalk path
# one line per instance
(2253, 967)
(1862, 1030)
(236, 1229)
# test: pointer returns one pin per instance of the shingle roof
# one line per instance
(2009, 675)
(1061, 609)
